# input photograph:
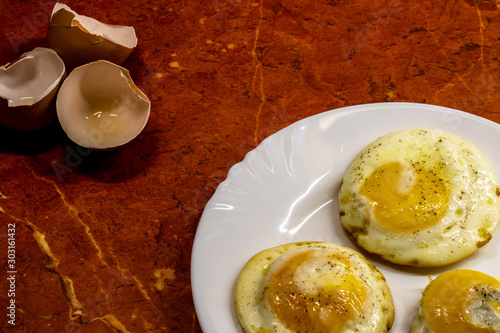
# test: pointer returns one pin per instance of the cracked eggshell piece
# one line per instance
(80, 39)
(28, 88)
(99, 106)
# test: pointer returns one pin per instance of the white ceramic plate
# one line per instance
(285, 190)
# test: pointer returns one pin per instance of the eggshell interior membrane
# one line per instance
(28, 88)
(459, 301)
(80, 39)
(100, 107)
(312, 287)
(420, 197)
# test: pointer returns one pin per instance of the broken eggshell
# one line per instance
(28, 87)
(80, 39)
(99, 106)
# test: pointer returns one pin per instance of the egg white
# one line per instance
(329, 267)
(459, 301)
(472, 201)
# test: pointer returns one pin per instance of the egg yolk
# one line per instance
(338, 298)
(406, 201)
(447, 301)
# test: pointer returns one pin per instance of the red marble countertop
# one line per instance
(104, 243)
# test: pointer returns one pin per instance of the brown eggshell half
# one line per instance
(99, 106)
(80, 39)
(28, 87)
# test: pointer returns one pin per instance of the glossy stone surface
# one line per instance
(103, 239)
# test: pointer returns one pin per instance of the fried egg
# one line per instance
(312, 287)
(460, 301)
(420, 197)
